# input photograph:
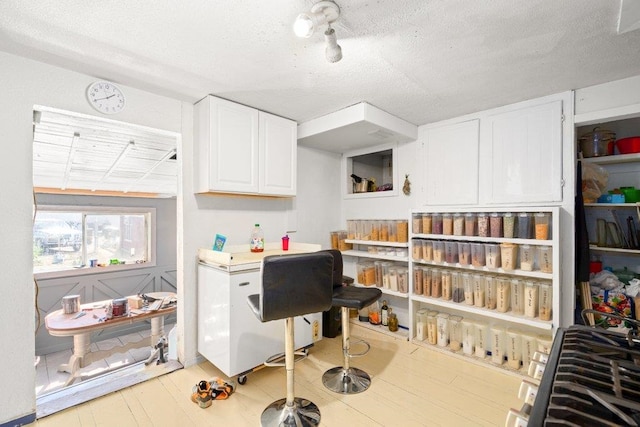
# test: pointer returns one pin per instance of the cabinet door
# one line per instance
(451, 175)
(228, 143)
(278, 155)
(525, 162)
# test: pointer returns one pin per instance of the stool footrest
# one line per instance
(360, 341)
(278, 359)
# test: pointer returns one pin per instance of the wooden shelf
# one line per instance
(508, 317)
(401, 334)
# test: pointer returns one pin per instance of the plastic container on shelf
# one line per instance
(384, 231)
(468, 336)
(545, 300)
(426, 282)
(517, 296)
(421, 324)
(530, 299)
(491, 296)
(443, 329)
(458, 224)
(483, 225)
(416, 224)
(417, 279)
(508, 225)
(513, 348)
(352, 229)
(403, 280)
(342, 242)
(455, 333)
(478, 290)
(509, 256)
(527, 257)
(334, 239)
(481, 339)
(427, 223)
(379, 273)
(369, 274)
(447, 224)
(427, 250)
(402, 230)
(478, 258)
(416, 250)
(495, 224)
(456, 285)
(469, 224)
(525, 226)
(529, 345)
(542, 220)
(545, 259)
(393, 231)
(375, 230)
(386, 283)
(438, 251)
(393, 277)
(503, 294)
(432, 327)
(464, 253)
(436, 224)
(451, 252)
(497, 336)
(436, 283)
(447, 286)
(467, 286)
(365, 233)
(543, 343)
(492, 255)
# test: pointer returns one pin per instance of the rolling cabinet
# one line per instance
(485, 282)
(377, 255)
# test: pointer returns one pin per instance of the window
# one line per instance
(69, 239)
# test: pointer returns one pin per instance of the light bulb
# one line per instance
(303, 26)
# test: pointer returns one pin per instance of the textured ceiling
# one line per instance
(421, 60)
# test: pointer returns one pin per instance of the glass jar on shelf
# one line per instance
(393, 321)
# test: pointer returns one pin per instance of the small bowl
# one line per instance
(629, 145)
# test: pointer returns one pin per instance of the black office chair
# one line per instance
(293, 285)
(345, 379)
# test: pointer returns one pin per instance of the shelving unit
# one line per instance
(361, 250)
(506, 320)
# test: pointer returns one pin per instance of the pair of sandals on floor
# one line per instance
(205, 392)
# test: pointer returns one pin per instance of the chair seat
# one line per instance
(353, 297)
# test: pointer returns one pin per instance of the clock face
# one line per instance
(105, 97)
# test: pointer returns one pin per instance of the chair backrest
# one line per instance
(297, 284)
(337, 266)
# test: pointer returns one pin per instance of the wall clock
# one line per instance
(106, 97)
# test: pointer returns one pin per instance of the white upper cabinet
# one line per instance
(451, 159)
(242, 150)
(524, 155)
(278, 155)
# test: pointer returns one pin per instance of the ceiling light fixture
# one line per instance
(323, 12)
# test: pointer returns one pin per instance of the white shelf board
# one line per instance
(615, 159)
(611, 205)
(378, 243)
(484, 269)
(512, 318)
(385, 291)
(616, 250)
(401, 334)
(449, 237)
(363, 254)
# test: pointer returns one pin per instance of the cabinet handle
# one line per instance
(243, 284)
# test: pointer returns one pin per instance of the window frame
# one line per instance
(106, 210)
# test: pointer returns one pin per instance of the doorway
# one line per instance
(104, 230)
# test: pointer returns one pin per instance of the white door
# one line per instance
(451, 161)
(278, 155)
(525, 161)
(233, 149)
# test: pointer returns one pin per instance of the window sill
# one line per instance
(85, 271)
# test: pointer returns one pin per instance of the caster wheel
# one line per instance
(242, 379)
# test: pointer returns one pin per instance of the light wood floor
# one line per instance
(411, 386)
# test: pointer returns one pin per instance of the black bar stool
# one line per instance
(292, 285)
(345, 379)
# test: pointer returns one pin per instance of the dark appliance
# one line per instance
(331, 319)
(592, 378)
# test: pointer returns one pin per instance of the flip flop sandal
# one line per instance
(221, 389)
(201, 394)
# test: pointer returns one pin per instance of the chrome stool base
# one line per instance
(346, 381)
(303, 413)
